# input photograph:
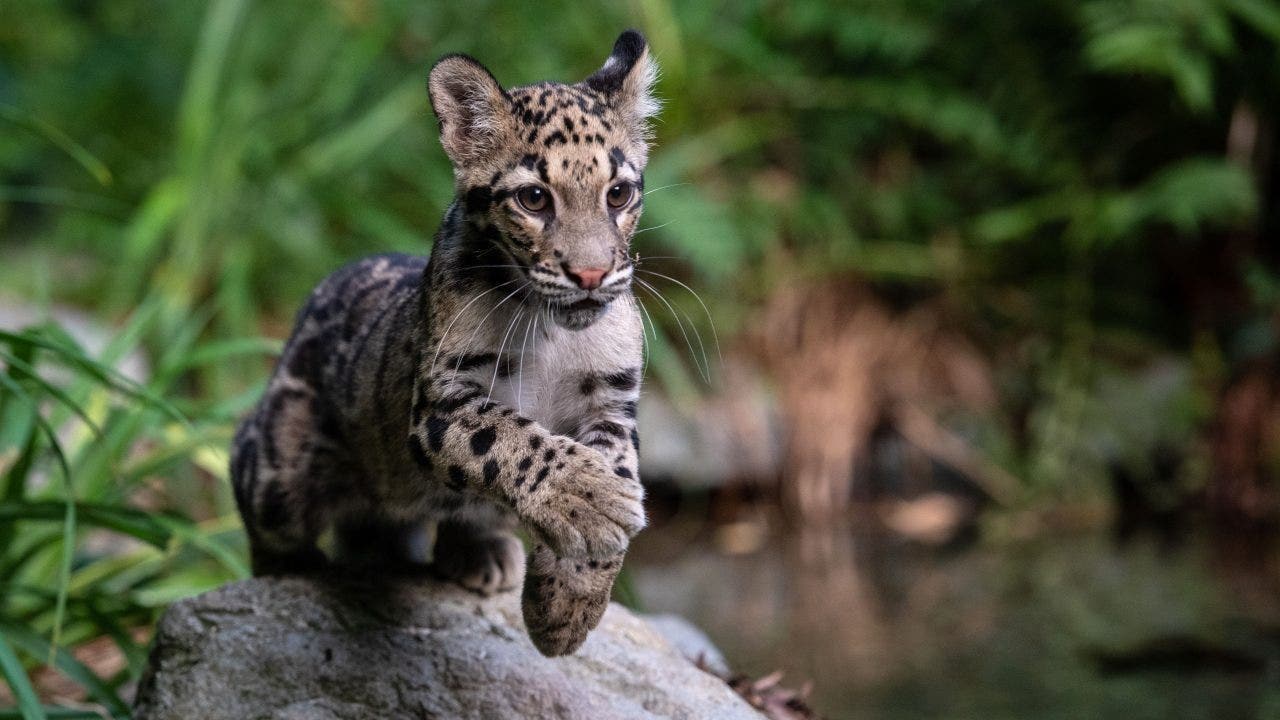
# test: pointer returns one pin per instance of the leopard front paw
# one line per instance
(588, 510)
(563, 600)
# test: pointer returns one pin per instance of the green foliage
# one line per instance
(80, 445)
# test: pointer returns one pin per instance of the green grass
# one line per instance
(79, 445)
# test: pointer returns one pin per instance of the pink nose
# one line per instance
(586, 278)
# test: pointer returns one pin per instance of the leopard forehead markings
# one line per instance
(488, 386)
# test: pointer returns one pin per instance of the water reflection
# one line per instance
(1064, 626)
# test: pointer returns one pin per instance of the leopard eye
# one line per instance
(533, 198)
(619, 195)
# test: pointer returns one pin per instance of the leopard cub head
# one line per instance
(553, 174)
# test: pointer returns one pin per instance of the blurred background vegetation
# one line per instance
(975, 270)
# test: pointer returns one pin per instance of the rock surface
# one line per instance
(301, 648)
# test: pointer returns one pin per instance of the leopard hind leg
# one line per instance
(369, 541)
(484, 557)
(285, 474)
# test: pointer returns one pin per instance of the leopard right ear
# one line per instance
(627, 78)
(471, 107)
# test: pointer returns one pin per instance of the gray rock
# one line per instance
(690, 641)
(297, 648)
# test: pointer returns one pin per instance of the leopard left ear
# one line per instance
(627, 79)
(471, 107)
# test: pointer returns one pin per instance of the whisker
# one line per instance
(520, 378)
(502, 345)
(644, 336)
(656, 257)
(483, 320)
(653, 291)
(443, 335)
(655, 227)
(710, 320)
(697, 336)
(664, 187)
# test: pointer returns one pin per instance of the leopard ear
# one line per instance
(627, 79)
(471, 107)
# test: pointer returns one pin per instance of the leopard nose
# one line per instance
(586, 278)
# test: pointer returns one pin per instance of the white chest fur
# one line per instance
(549, 363)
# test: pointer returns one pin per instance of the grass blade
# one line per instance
(36, 646)
(53, 390)
(135, 523)
(73, 358)
(61, 140)
(19, 683)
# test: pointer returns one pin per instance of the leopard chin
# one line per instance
(579, 315)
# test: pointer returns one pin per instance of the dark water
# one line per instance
(1059, 626)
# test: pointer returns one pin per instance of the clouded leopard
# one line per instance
(489, 386)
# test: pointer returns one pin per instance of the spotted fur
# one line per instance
(492, 385)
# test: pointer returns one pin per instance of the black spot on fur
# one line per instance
(555, 137)
(542, 475)
(549, 455)
(273, 507)
(436, 428)
(454, 402)
(490, 472)
(419, 404)
(519, 480)
(457, 478)
(523, 422)
(622, 472)
(465, 362)
(624, 379)
(588, 385)
(244, 475)
(629, 409)
(419, 455)
(635, 439)
(478, 199)
(609, 428)
(535, 442)
(616, 160)
(483, 439)
(305, 360)
(526, 462)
